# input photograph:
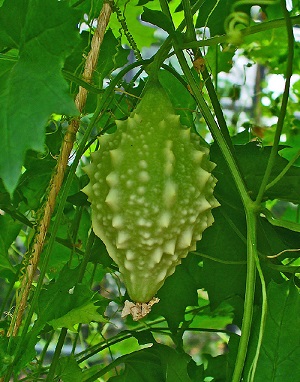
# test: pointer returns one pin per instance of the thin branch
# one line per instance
(261, 27)
(284, 171)
(285, 97)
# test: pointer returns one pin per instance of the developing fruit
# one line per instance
(151, 194)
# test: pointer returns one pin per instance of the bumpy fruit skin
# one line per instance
(151, 193)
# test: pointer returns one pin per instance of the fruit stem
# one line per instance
(251, 219)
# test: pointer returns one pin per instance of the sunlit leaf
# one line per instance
(83, 314)
(65, 304)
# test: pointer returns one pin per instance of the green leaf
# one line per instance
(143, 2)
(33, 83)
(266, 43)
(280, 352)
(83, 314)
(185, 281)
(216, 367)
(143, 365)
(144, 337)
(273, 240)
(212, 14)
(225, 241)
(68, 370)
(66, 303)
(7, 356)
(289, 153)
(159, 19)
(181, 98)
(112, 56)
(9, 230)
(34, 181)
(90, 8)
(219, 60)
(155, 364)
(143, 35)
(99, 254)
(216, 319)
(253, 161)
(51, 297)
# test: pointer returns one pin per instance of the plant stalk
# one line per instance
(251, 219)
(261, 27)
(285, 97)
(249, 205)
(55, 359)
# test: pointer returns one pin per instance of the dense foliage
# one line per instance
(231, 310)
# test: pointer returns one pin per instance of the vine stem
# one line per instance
(251, 219)
(191, 35)
(284, 171)
(251, 208)
(285, 97)
(64, 331)
(251, 215)
(55, 358)
(58, 175)
(261, 27)
(263, 318)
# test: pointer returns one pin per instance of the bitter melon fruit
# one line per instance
(151, 193)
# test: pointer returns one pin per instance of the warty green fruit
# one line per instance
(151, 193)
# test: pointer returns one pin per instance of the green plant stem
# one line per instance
(55, 359)
(122, 359)
(217, 134)
(219, 260)
(74, 231)
(250, 209)
(263, 318)
(77, 337)
(78, 81)
(83, 266)
(92, 350)
(188, 15)
(284, 171)
(106, 369)
(191, 35)
(43, 354)
(261, 27)
(87, 255)
(214, 128)
(10, 289)
(251, 218)
(285, 97)
(167, 44)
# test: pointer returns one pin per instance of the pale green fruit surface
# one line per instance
(151, 193)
